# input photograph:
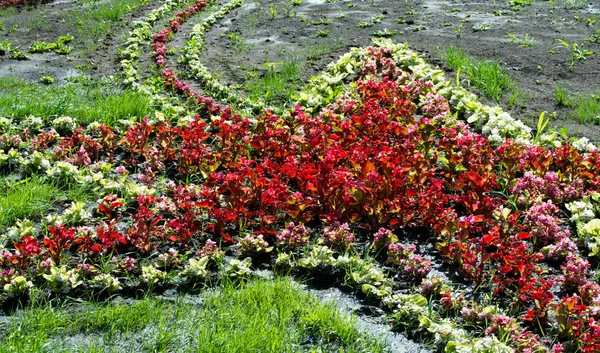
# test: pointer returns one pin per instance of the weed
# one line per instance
(458, 30)
(578, 52)
(47, 79)
(522, 42)
(594, 37)
(93, 22)
(488, 75)
(273, 11)
(16, 54)
(520, 2)
(562, 96)
(274, 86)
(237, 42)
(513, 98)
(289, 11)
(541, 126)
(322, 22)
(4, 47)
(323, 33)
(384, 33)
(481, 27)
(585, 108)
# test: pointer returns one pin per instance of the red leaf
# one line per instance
(523, 235)
(487, 238)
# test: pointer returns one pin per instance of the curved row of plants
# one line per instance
(368, 184)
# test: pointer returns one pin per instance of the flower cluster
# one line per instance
(337, 236)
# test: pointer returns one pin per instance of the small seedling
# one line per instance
(41, 47)
(323, 33)
(322, 22)
(288, 11)
(418, 28)
(578, 52)
(458, 30)
(384, 33)
(47, 79)
(63, 50)
(4, 47)
(541, 126)
(272, 11)
(522, 42)
(563, 98)
(481, 27)
(595, 37)
(16, 54)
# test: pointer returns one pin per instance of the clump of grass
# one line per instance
(585, 107)
(562, 96)
(34, 197)
(276, 85)
(263, 316)
(487, 75)
(93, 20)
(87, 101)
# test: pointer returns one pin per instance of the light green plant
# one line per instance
(273, 11)
(481, 27)
(384, 33)
(488, 75)
(323, 33)
(289, 11)
(541, 126)
(594, 37)
(321, 21)
(578, 52)
(522, 42)
(47, 79)
(589, 233)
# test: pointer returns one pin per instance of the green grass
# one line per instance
(562, 96)
(276, 85)
(262, 316)
(93, 19)
(584, 107)
(87, 101)
(34, 197)
(487, 75)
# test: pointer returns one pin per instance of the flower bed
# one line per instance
(379, 169)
